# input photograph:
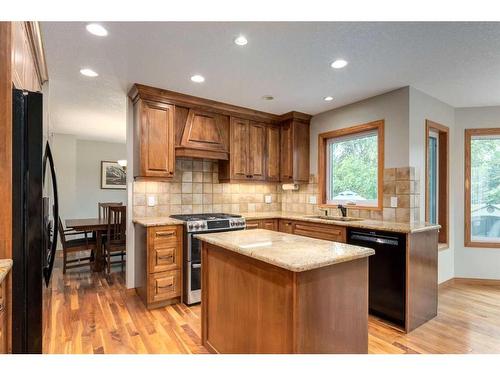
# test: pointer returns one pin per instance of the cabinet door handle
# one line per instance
(166, 286)
(2, 307)
(165, 257)
(164, 234)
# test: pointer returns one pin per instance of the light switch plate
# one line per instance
(312, 199)
(151, 200)
(394, 202)
(268, 199)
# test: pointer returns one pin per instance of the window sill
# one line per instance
(486, 245)
(443, 246)
(352, 207)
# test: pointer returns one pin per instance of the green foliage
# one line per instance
(485, 170)
(354, 167)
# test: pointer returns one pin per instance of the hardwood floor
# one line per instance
(94, 313)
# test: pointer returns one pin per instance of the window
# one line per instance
(482, 187)
(437, 172)
(351, 165)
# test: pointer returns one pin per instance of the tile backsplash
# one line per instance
(196, 188)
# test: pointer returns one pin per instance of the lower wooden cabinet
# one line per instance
(4, 342)
(269, 224)
(160, 264)
(327, 232)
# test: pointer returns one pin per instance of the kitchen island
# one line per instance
(271, 292)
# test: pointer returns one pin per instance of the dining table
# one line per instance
(98, 226)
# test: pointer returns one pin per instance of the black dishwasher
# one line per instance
(387, 272)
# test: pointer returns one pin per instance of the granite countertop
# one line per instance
(389, 226)
(156, 221)
(5, 266)
(288, 251)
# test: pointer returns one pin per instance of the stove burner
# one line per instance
(198, 217)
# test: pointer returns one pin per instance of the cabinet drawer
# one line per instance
(164, 237)
(165, 258)
(252, 224)
(286, 226)
(323, 232)
(164, 285)
(269, 224)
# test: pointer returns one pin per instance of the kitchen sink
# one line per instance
(336, 218)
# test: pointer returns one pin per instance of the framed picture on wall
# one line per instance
(113, 176)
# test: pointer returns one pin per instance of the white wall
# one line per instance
(424, 107)
(78, 170)
(391, 107)
(480, 263)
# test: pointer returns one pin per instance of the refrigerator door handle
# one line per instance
(47, 269)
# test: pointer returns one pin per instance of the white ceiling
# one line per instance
(458, 63)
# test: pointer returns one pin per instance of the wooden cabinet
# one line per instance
(154, 152)
(4, 342)
(272, 153)
(294, 151)
(327, 232)
(247, 156)
(26, 65)
(160, 259)
(269, 224)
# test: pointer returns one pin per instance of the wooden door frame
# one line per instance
(444, 175)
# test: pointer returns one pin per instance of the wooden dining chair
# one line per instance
(102, 208)
(77, 245)
(115, 245)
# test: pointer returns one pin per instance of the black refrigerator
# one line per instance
(34, 207)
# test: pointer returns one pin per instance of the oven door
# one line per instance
(192, 273)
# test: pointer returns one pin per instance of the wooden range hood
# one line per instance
(202, 126)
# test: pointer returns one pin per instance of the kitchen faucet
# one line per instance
(343, 210)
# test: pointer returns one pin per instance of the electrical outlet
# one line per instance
(394, 202)
(312, 199)
(268, 199)
(151, 200)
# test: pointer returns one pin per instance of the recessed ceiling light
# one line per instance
(88, 72)
(96, 29)
(241, 40)
(197, 78)
(338, 64)
(328, 98)
(268, 97)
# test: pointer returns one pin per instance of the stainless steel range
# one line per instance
(201, 223)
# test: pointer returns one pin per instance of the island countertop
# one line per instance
(288, 251)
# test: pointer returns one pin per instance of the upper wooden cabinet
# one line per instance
(273, 153)
(251, 145)
(201, 134)
(154, 152)
(294, 150)
(29, 70)
(247, 151)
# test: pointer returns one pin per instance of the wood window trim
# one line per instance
(322, 144)
(444, 175)
(469, 133)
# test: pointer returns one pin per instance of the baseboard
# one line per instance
(469, 281)
(131, 292)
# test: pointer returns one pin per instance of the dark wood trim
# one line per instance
(322, 140)
(469, 133)
(444, 177)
